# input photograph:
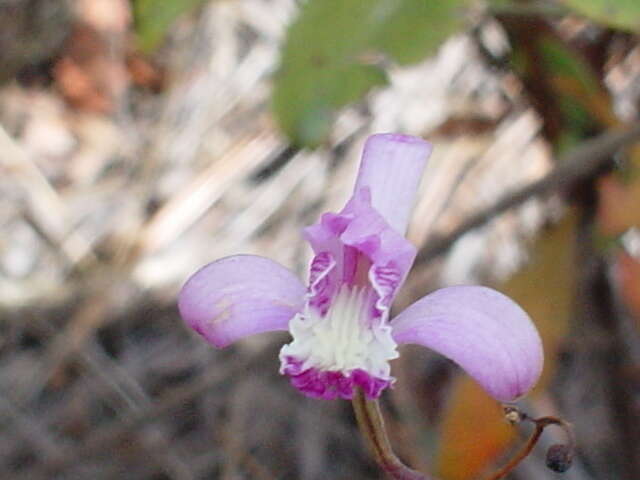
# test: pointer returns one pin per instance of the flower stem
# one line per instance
(371, 425)
(372, 428)
(563, 453)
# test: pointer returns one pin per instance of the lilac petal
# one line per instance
(483, 331)
(391, 167)
(238, 296)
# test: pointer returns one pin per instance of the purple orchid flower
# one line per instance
(342, 335)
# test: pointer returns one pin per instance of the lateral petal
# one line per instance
(480, 329)
(238, 296)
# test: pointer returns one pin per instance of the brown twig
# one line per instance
(108, 437)
(518, 457)
(560, 455)
(32, 430)
(371, 425)
(579, 164)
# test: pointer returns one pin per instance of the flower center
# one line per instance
(346, 339)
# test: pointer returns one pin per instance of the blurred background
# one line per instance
(140, 140)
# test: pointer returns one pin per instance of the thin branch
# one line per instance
(559, 456)
(578, 165)
(371, 423)
(108, 436)
(518, 457)
(44, 209)
(32, 430)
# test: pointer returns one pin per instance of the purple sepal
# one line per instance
(357, 247)
(391, 168)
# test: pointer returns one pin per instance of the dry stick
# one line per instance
(44, 209)
(111, 435)
(31, 429)
(581, 163)
(372, 428)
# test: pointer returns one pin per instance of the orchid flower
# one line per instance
(342, 335)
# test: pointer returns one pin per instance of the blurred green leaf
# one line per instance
(153, 18)
(582, 98)
(565, 63)
(624, 14)
(561, 80)
(329, 56)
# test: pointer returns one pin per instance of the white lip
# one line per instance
(344, 339)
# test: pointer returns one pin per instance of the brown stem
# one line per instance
(578, 165)
(371, 425)
(515, 416)
(518, 457)
(372, 428)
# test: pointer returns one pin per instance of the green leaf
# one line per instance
(153, 18)
(327, 56)
(561, 61)
(623, 14)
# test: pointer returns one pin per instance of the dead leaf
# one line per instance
(545, 287)
(628, 279)
(91, 73)
(473, 433)
(619, 200)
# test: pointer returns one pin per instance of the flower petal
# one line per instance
(238, 296)
(483, 331)
(357, 246)
(391, 167)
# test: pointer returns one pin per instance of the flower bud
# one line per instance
(559, 458)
